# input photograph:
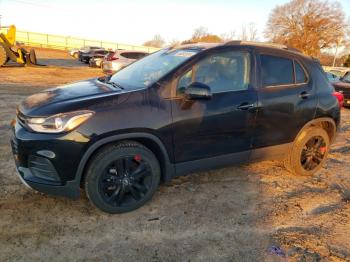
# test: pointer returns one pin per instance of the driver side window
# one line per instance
(222, 72)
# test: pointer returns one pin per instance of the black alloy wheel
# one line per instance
(313, 153)
(125, 181)
(123, 177)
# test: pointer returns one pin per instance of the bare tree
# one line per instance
(157, 41)
(175, 42)
(309, 25)
(228, 36)
(200, 32)
(249, 32)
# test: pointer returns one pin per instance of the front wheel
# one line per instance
(309, 152)
(122, 177)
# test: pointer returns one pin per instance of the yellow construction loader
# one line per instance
(9, 52)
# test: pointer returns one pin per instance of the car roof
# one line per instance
(129, 51)
(259, 45)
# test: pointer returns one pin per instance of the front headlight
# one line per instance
(59, 123)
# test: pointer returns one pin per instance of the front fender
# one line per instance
(168, 171)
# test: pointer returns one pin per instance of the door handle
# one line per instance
(304, 95)
(245, 106)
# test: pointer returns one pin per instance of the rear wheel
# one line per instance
(122, 178)
(309, 152)
(32, 57)
(3, 56)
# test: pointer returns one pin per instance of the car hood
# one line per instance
(83, 90)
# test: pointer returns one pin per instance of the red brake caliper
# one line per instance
(137, 158)
(323, 149)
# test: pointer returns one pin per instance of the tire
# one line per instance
(3, 56)
(309, 152)
(114, 188)
(32, 57)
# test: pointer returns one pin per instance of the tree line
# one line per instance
(312, 26)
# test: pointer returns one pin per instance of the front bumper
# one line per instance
(70, 189)
(47, 163)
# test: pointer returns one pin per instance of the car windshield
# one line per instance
(150, 69)
(346, 78)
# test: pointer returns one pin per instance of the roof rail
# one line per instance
(266, 44)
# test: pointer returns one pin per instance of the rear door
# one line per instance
(287, 99)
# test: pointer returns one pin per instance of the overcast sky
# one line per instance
(135, 21)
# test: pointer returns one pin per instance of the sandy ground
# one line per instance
(232, 214)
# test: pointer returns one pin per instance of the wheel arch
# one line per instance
(150, 141)
(327, 123)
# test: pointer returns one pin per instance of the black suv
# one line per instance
(182, 109)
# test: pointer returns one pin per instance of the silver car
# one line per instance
(121, 59)
(75, 52)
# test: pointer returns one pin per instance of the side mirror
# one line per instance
(198, 90)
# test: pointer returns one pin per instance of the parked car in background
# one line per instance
(98, 61)
(75, 52)
(338, 71)
(95, 53)
(121, 59)
(179, 110)
(332, 77)
(87, 49)
(343, 86)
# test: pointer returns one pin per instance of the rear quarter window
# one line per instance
(276, 71)
(128, 55)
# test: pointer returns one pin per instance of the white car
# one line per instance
(120, 59)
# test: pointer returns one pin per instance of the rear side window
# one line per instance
(132, 55)
(276, 71)
(300, 75)
(140, 55)
(126, 55)
(101, 52)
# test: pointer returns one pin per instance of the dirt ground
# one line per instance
(256, 212)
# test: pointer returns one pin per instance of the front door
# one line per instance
(224, 124)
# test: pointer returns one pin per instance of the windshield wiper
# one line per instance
(115, 84)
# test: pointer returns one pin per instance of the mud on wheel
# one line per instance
(309, 152)
(122, 178)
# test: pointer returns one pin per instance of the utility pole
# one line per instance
(336, 52)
